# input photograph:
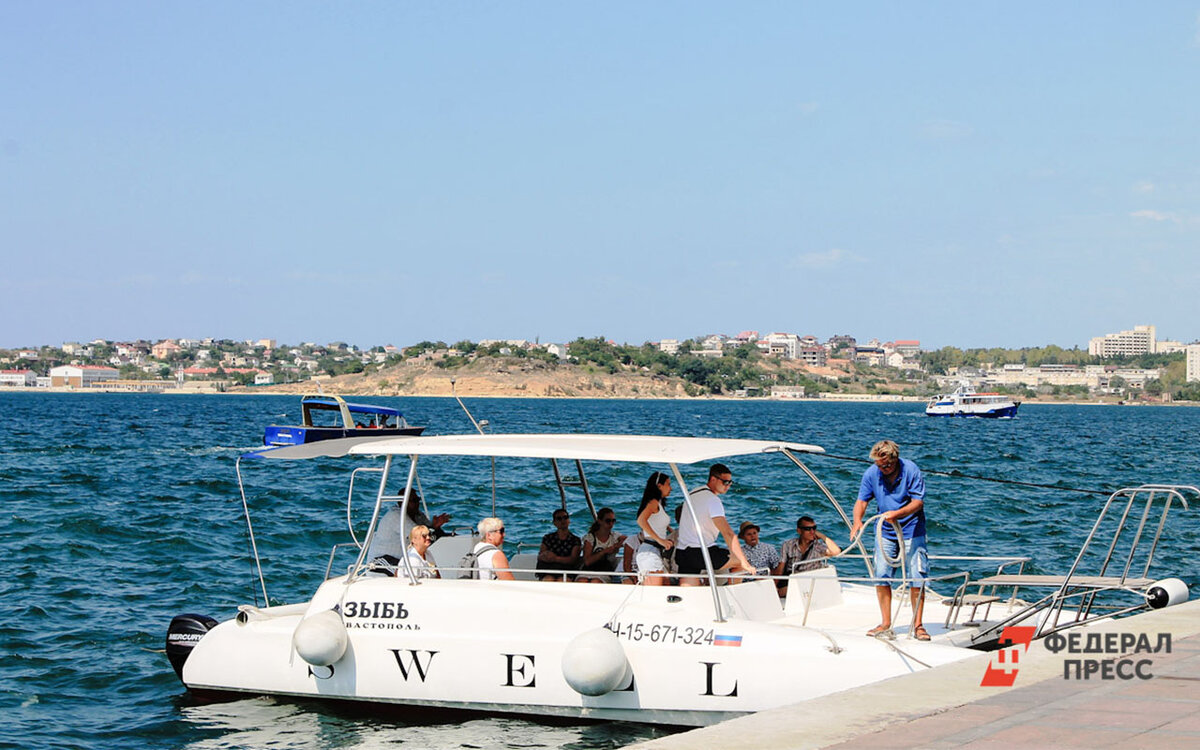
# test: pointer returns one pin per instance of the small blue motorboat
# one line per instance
(328, 417)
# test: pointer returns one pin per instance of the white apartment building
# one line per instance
(786, 345)
(1141, 340)
(669, 346)
(19, 378)
(1193, 362)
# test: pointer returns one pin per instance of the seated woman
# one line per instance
(655, 524)
(560, 549)
(489, 555)
(600, 547)
(419, 558)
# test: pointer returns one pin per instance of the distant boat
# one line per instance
(330, 417)
(965, 402)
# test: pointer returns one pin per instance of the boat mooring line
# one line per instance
(956, 474)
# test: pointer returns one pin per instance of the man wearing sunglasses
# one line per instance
(806, 550)
(706, 502)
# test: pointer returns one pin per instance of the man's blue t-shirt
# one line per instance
(892, 496)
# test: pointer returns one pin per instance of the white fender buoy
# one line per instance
(594, 663)
(320, 639)
(1166, 593)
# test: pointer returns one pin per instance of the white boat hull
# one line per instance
(498, 646)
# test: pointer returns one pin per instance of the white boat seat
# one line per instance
(450, 550)
(523, 565)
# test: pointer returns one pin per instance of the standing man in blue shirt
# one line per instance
(898, 489)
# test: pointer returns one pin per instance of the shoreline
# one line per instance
(856, 398)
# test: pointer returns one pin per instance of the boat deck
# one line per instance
(947, 708)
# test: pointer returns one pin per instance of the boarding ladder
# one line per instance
(1072, 599)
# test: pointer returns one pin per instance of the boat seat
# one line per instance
(450, 550)
(523, 566)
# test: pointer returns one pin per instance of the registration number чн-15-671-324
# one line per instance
(640, 631)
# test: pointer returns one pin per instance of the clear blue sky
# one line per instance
(968, 174)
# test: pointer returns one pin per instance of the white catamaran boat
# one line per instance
(659, 654)
(965, 402)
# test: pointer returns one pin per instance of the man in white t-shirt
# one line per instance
(706, 502)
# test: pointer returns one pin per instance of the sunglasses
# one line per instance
(807, 528)
(726, 482)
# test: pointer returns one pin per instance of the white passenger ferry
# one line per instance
(658, 654)
(965, 402)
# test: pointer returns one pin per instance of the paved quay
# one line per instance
(947, 708)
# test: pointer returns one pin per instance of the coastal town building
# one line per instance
(1193, 363)
(1092, 377)
(783, 345)
(1141, 340)
(164, 349)
(841, 341)
(18, 378)
(669, 346)
(872, 356)
(27, 354)
(787, 391)
(814, 356)
(80, 376)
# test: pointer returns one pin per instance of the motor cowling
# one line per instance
(183, 634)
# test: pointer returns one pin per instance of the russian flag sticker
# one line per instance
(727, 640)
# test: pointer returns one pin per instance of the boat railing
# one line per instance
(333, 554)
(962, 598)
(1133, 509)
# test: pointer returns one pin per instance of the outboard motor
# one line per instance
(183, 635)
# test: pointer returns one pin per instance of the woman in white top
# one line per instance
(422, 563)
(655, 523)
(492, 563)
(601, 545)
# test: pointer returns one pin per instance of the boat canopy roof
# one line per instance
(637, 448)
(329, 402)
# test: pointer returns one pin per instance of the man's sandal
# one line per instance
(881, 631)
(921, 634)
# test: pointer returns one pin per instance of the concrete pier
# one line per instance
(947, 707)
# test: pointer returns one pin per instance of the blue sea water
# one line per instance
(121, 511)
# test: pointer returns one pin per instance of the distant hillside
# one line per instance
(513, 376)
